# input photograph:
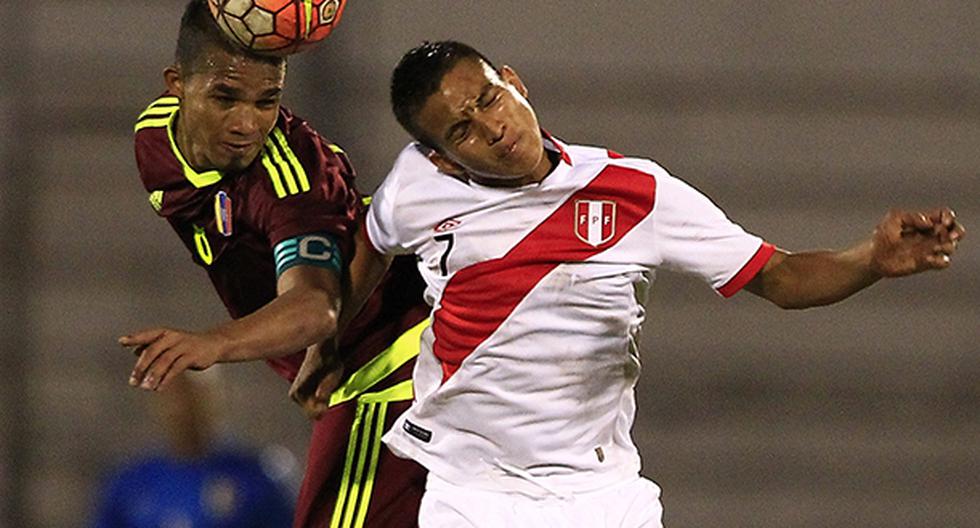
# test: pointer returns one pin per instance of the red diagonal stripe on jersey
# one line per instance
(478, 299)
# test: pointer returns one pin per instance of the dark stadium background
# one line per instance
(804, 120)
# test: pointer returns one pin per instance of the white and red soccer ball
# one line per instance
(277, 27)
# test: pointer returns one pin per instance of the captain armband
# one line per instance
(313, 249)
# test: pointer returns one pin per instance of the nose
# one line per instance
(243, 122)
(492, 126)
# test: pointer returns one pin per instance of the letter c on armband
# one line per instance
(316, 249)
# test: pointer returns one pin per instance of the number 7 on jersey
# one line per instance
(448, 239)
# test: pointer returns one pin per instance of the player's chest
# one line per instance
(523, 230)
(219, 228)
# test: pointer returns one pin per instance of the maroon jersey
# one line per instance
(230, 223)
(301, 184)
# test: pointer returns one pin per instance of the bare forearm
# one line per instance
(903, 243)
(816, 278)
(366, 271)
(290, 323)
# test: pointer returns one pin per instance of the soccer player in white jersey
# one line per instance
(536, 256)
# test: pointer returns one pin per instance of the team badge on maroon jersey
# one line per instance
(222, 213)
(595, 221)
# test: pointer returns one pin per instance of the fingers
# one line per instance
(148, 356)
(181, 364)
(311, 406)
(911, 222)
(141, 338)
(313, 388)
(163, 359)
(314, 409)
(937, 261)
(947, 218)
(329, 383)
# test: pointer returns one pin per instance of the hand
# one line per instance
(166, 352)
(907, 242)
(318, 376)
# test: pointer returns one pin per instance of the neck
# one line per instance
(541, 171)
(184, 144)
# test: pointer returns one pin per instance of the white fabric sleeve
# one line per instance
(386, 230)
(380, 222)
(692, 235)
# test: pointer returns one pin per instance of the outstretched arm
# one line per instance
(321, 370)
(903, 243)
(305, 311)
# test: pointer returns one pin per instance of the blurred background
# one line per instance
(804, 120)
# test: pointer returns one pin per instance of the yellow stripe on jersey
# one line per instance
(364, 443)
(298, 170)
(284, 170)
(162, 102)
(157, 114)
(335, 149)
(160, 114)
(273, 174)
(156, 200)
(400, 352)
(363, 453)
(197, 179)
(159, 122)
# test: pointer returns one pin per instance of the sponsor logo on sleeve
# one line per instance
(422, 434)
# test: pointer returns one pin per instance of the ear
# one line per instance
(175, 85)
(510, 77)
(446, 165)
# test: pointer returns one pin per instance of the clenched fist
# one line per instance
(907, 242)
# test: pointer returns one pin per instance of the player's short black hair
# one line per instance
(419, 74)
(198, 33)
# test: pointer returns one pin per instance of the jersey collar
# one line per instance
(197, 179)
(552, 144)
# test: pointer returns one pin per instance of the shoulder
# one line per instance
(596, 159)
(158, 167)
(411, 165)
(296, 160)
(312, 147)
(412, 177)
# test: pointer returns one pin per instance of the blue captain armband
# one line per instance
(313, 249)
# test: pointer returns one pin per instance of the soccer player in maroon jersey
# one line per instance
(266, 206)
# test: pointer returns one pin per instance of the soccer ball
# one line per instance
(276, 27)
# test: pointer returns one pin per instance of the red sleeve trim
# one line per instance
(748, 271)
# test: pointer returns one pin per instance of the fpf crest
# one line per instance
(595, 221)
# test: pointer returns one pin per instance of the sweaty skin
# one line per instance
(227, 109)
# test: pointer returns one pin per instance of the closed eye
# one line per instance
(459, 132)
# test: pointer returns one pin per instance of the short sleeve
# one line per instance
(694, 236)
(382, 222)
(330, 205)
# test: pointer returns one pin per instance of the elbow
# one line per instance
(320, 316)
(787, 298)
(800, 301)
(790, 304)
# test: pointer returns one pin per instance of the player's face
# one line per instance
(226, 110)
(484, 127)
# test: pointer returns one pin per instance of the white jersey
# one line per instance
(525, 379)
